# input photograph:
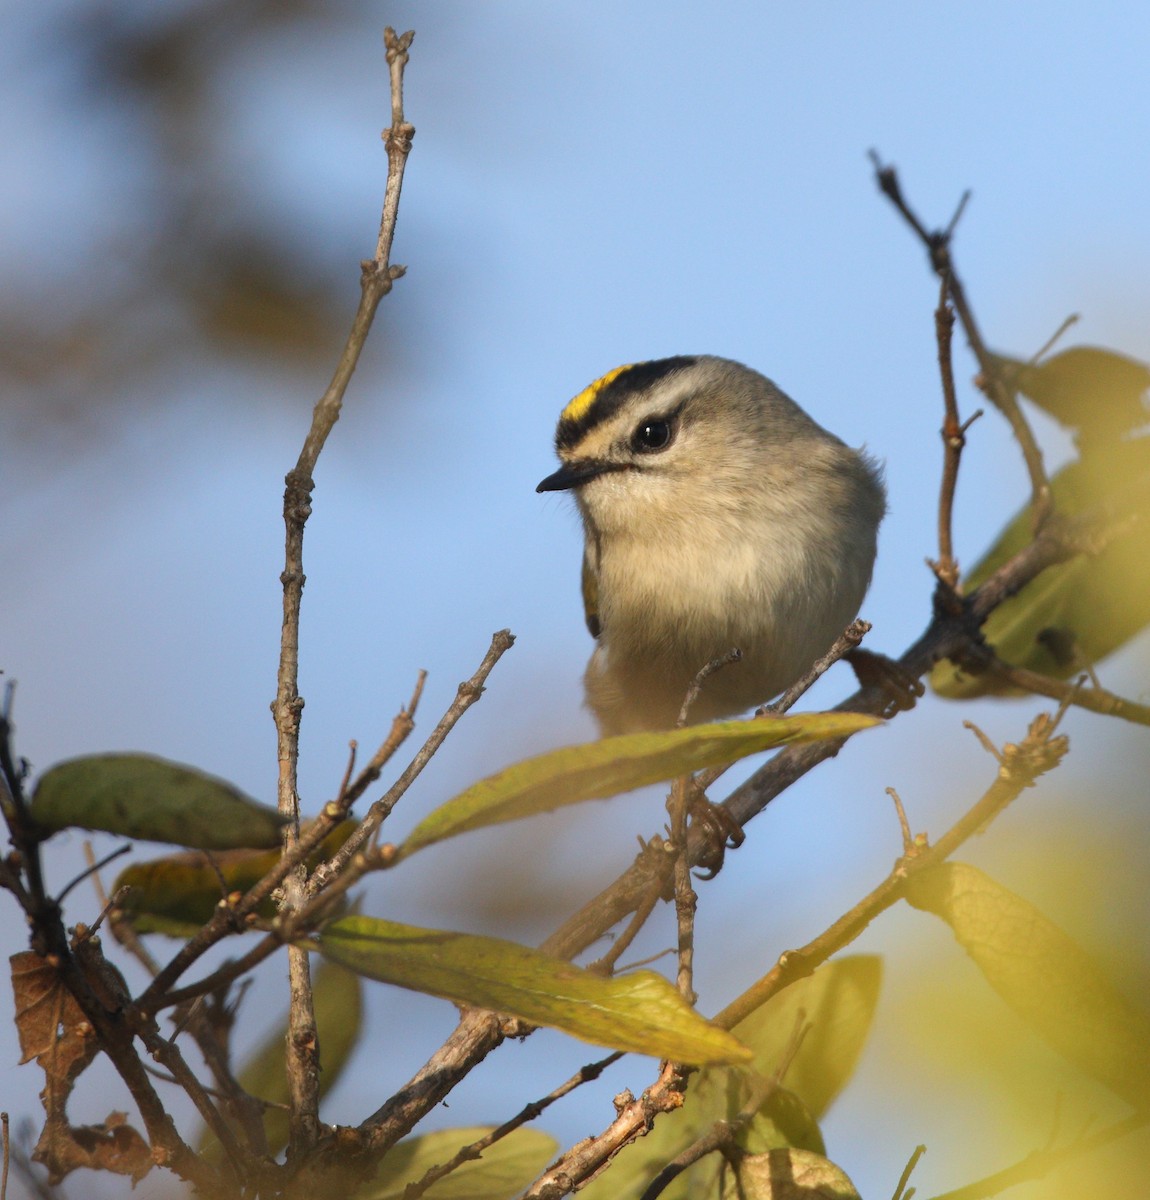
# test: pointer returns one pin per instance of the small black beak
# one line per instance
(572, 474)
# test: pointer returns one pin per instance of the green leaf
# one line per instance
(838, 1001)
(605, 768)
(782, 1121)
(1079, 611)
(505, 1169)
(1096, 391)
(338, 997)
(178, 893)
(1045, 976)
(791, 1175)
(138, 796)
(640, 1012)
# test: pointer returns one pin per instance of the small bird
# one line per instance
(717, 515)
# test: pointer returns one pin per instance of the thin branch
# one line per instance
(1095, 699)
(92, 868)
(953, 440)
(4, 1175)
(605, 964)
(908, 842)
(401, 728)
(529, 1112)
(376, 278)
(686, 898)
(1073, 319)
(635, 1115)
(850, 639)
(900, 1191)
(466, 695)
(997, 390)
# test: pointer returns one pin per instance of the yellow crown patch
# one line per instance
(578, 407)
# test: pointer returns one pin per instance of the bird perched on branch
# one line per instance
(717, 515)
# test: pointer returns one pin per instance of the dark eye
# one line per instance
(652, 436)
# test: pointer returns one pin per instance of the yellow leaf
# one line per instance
(639, 1012)
(619, 764)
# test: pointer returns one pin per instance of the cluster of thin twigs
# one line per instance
(127, 1029)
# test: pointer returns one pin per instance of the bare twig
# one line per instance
(850, 639)
(903, 824)
(529, 1112)
(1073, 319)
(900, 1191)
(1096, 699)
(686, 898)
(997, 390)
(4, 1175)
(92, 868)
(605, 964)
(590, 1155)
(465, 696)
(953, 439)
(733, 655)
(376, 278)
(401, 728)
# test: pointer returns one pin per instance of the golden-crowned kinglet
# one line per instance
(717, 515)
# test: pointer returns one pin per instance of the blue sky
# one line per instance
(590, 184)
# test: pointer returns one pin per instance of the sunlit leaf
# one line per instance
(619, 764)
(1080, 611)
(1097, 391)
(138, 796)
(790, 1175)
(640, 1012)
(838, 1003)
(178, 893)
(1044, 975)
(505, 1169)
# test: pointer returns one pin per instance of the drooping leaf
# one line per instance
(640, 1012)
(503, 1171)
(178, 893)
(1078, 612)
(619, 764)
(1097, 391)
(138, 796)
(790, 1175)
(838, 1002)
(338, 997)
(1044, 975)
